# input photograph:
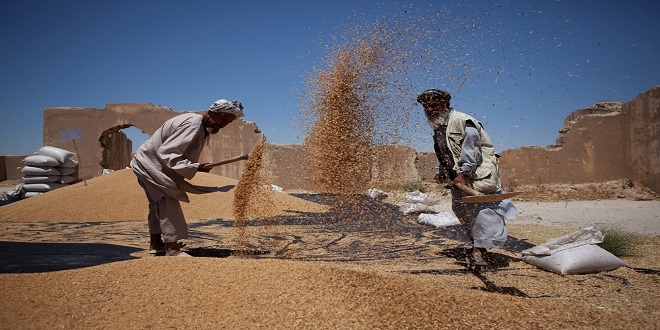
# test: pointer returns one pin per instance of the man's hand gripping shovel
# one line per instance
(187, 186)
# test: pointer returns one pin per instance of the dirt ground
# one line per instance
(367, 266)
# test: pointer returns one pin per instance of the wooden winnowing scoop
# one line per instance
(478, 197)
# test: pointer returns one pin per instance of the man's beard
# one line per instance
(437, 121)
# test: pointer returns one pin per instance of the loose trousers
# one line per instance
(484, 223)
(165, 214)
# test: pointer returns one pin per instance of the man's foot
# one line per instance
(156, 245)
(478, 257)
(155, 250)
(174, 250)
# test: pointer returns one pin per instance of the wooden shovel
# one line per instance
(478, 197)
(230, 160)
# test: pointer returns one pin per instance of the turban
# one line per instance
(233, 107)
(433, 94)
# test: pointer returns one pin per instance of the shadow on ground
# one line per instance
(23, 257)
(356, 228)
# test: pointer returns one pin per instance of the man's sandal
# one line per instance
(163, 249)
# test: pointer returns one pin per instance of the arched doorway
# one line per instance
(118, 144)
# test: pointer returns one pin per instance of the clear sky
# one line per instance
(529, 63)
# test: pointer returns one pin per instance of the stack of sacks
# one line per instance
(47, 169)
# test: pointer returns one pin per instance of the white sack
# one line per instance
(40, 179)
(67, 170)
(275, 188)
(32, 194)
(413, 208)
(66, 179)
(40, 160)
(420, 198)
(39, 171)
(41, 187)
(589, 235)
(60, 154)
(442, 219)
(69, 163)
(15, 194)
(582, 259)
(376, 194)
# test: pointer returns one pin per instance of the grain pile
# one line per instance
(209, 293)
(118, 197)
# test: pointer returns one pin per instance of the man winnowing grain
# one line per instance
(167, 157)
(466, 155)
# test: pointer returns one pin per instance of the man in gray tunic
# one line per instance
(168, 157)
(466, 155)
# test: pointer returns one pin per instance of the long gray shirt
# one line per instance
(171, 154)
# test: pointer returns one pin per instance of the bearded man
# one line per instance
(466, 155)
(165, 159)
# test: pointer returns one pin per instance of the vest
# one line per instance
(486, 178)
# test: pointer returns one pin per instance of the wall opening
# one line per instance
(118, 144)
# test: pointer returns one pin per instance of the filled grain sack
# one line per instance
(39, 171)
(40, 160)
(420, 198)
(40, 179)
(575, 253)
(69, 163)
(41, 187)
(32, 194)
(65, 179)
(589, 235)
(66, 170)
(415, 208)
(60, 155)
(582, 259)
(441, 219)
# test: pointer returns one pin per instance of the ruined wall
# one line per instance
(13, 165)
(607, 141)
(394, 164)
(641, 133)
(597, 146)
(95, 123)
(592, 151)
(284, 165)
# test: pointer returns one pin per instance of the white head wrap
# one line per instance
(233, 107)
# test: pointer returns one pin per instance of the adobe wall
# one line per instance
(641, 133)
(95, 124)
(12, 166)
(596, 146)
(283, 165)
(3, 169)
(592, 151)
(607, 141)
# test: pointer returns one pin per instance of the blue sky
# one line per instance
(528, 63)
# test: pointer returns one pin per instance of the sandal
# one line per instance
(162, 249)
(478, 260)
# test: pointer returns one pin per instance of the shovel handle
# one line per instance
(468, 190)
(230, 160)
